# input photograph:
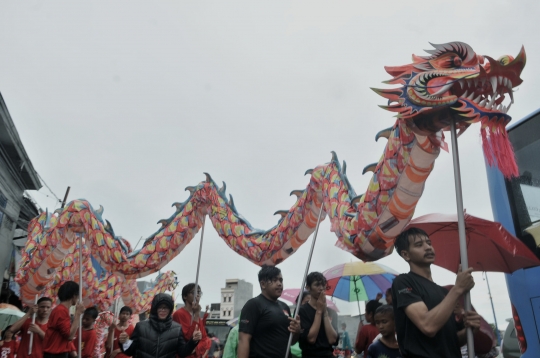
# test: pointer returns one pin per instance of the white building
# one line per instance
(233, 297)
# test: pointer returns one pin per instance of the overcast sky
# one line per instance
(129, 102)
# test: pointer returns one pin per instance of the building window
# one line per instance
(229, 298)
(224, 313)
(224, 299)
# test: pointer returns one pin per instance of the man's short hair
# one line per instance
(187, 289)
(44, 299)
(344, 325)
(385, 309)
(126, 309)
(315, 277)
(91, 311)
(268, 273)
(68, 290)
(402, 240)
(372, 306)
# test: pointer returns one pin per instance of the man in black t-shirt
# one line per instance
(265, 322)
(319, 328)
(424, 311)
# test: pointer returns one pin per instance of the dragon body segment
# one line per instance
(431, 95)
(99, 289)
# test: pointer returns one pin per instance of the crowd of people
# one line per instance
(419, 319)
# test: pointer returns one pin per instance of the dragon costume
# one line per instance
(453, 83)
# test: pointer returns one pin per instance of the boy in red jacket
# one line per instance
(38, 329)
(60, 331)
(189, 318)
(116, 329)
(367, 333)
(8, 344)
(89, 337)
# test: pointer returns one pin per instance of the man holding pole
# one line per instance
(424, 311)
(60, 330)
(38, 329)
(266, 323)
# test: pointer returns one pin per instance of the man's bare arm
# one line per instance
(243, 345)
(314, 329)
(429, 322)
(331, 334)
(16, 327)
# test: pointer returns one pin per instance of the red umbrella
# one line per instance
(489, 245)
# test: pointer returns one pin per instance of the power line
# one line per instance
(50, 190)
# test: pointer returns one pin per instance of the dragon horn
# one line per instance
(369, 168)
(298, 193)
(283, 213)
(385, 133)
(309, 171)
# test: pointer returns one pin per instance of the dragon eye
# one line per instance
(505, 60)
(446, 61)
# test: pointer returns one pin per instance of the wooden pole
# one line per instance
(65, 198)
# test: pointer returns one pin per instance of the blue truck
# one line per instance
(516, 205)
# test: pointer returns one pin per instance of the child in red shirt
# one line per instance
(189, 318)
(89, 337)
(8, 344)
(116, 329)
(60, 331)
(367, 333)
(38, 329)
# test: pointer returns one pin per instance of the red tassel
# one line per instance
(497, 147)
(486, 145)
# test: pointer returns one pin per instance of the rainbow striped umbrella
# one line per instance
(358, 281)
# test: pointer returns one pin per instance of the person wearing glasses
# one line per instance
(189, 318)
(159, 336)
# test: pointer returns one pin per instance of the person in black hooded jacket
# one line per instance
(159, 336)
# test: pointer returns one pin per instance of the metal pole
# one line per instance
(196, 289)
(116, 302)
(30, 333)
(299, 301)
(357, 299)
(493, 309)
(461, 229)
(80, 293)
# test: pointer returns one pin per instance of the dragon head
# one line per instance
(455, 83)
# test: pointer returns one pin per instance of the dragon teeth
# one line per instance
(465, 94)
(477, 99)
(483, 103)
(471, 96)
(493, 84)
